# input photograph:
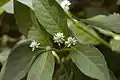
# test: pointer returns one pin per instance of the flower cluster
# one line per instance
(70, 41)
(34, 45)
(59, 38)
(65, 5)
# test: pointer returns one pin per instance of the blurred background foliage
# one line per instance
(82, 9)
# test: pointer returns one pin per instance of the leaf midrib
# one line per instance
(90, 61)
(49, 13)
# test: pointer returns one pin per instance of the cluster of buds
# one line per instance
(59, 38)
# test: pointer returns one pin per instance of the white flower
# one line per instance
(70, 41)
(34, 45)
(59, 38)
(117, 37)
(116, 14)
(65, 5)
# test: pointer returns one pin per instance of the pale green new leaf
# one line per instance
(50, 15)
(42, 68)
(90, 61)
(18, 62)
(115, 45)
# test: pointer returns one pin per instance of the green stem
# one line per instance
(56, 56)
(63, 48)
(77, 24)
(42, 47)
(40, 52)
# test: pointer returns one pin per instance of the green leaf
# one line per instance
(4, 55)
(110, 22)
(29, 25)
(50, 15)
(2, 2)
(27, 3)
(64, 71)
(18, 62)
(78, 75)
(105, 32)
(115, 45)
(8, 7)
(36, 32)
(23, 17)
(90, 62)
(42, 68)
(1, 11)
(84, 34)
(112, 76)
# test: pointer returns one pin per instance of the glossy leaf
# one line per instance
(18, 62)
(42, 68)
(50, 15)
(90, 62)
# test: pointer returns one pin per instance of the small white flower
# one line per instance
(70, 41)
(34, 45)
(65, 5)
(117, 37)
(116, 14)
(59, 38)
